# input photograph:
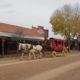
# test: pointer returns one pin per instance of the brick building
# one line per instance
(8, 30)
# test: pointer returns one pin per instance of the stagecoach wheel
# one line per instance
(54, 54)
(65, 51)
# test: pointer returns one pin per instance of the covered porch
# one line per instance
(9, 45)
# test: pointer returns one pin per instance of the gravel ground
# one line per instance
(14, 69)
(69, 75)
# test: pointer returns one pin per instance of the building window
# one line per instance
(12, 45)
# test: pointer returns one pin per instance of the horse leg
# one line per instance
(22, 55)
(34, 55)
(40, 53)
(29, 55)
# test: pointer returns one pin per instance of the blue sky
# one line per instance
(31, 12)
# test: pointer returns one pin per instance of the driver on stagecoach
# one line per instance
(24, 41)
(45, 39)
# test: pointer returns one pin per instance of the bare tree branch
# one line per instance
(18, 35)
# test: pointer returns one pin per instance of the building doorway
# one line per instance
(0, 47)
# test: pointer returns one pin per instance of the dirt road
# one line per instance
(58, 68)
(55, 72)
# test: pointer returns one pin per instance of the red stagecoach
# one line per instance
(54, 46)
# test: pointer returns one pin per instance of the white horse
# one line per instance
(34, 49)
(31, 49)
(23, 48)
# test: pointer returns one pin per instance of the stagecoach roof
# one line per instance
(6, 34)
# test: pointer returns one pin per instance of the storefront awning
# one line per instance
(6, 34)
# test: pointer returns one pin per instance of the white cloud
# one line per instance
(31, 12)
(5, 5)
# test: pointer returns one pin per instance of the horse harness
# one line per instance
(31, 47)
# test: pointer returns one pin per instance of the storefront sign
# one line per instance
(41, 32)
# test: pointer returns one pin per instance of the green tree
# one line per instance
(66, 21)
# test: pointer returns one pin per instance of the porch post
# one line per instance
(3, 47)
